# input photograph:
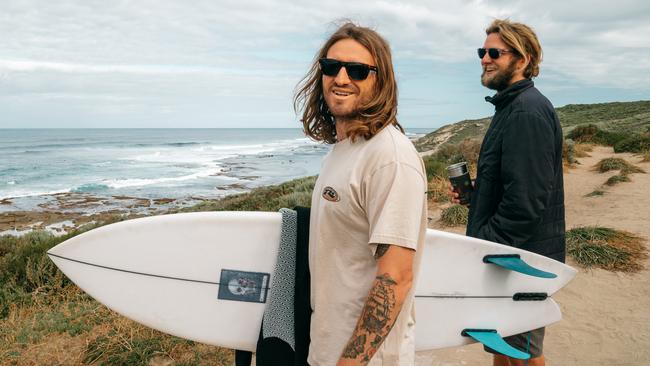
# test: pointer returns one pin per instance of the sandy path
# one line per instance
(606, 315)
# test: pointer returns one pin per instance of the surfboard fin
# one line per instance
(492, 339)
(514, 262)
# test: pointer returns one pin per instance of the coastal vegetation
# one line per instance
(624, 168)
(290, 194)
(616, 179)
(606, 248)
(455, 215)
(595, 193)
(608, 164)
(601, 124)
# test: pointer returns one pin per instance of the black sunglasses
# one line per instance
(494, 53)
(356, 70)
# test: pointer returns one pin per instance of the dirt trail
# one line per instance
(606, 315)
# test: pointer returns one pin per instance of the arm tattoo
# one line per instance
(377, 319)
(381, 250)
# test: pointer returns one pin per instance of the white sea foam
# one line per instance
(23, 193)
(140, 182)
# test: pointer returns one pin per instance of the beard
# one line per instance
(501, 78)
(343, 116)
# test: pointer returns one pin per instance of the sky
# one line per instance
(233, 64)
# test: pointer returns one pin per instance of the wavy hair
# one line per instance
(373, 115)
(522, 39)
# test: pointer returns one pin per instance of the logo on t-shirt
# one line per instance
(330, 194)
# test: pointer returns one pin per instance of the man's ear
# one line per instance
(522, 63)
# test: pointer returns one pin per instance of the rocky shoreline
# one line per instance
(60, 213)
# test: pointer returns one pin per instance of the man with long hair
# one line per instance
(368, 210)
(518, 197)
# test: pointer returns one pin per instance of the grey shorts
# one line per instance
(520, 342)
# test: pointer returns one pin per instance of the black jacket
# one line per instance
(519, 194)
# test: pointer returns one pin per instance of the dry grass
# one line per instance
(438, 190)
(606, 248)
(582, 150)
(645, 157)
(78, 330)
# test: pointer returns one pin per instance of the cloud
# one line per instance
(261, 48)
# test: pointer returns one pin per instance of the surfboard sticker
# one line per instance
(243, 286)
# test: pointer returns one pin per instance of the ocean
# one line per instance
(151, 163)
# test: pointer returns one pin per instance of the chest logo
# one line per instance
(330, 194)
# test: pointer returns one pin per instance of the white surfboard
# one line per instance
(165, 271)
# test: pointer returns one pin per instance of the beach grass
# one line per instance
(608, 164)
(606, 248)
(595, 193)
(616, 179)
(455, 215)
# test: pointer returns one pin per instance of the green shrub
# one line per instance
(633, 144)
(26, 266)
(434, 167)
(593, 134)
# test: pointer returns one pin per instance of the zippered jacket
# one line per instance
(518, 197)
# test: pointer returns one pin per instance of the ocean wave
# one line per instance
(140, 182)
(90, 187)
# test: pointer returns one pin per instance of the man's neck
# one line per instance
(516, 79)
(341, 128)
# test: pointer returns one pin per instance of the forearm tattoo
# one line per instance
(377, 319)
(381, 250)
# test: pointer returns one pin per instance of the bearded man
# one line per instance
(518, 198)
(368, 211)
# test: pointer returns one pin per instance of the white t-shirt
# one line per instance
(369, 192)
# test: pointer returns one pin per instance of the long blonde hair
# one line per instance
(373, 115)
(522, 39)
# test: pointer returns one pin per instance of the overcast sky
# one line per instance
(236, 63)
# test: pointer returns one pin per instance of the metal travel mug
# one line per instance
(459, 178)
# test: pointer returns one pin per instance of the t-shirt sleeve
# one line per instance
(394, 199)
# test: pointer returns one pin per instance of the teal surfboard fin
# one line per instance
(514, 262)
(492, 339)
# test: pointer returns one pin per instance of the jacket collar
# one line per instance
(505, 96)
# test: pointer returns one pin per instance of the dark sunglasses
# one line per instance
(494, 53)
(356, 70)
